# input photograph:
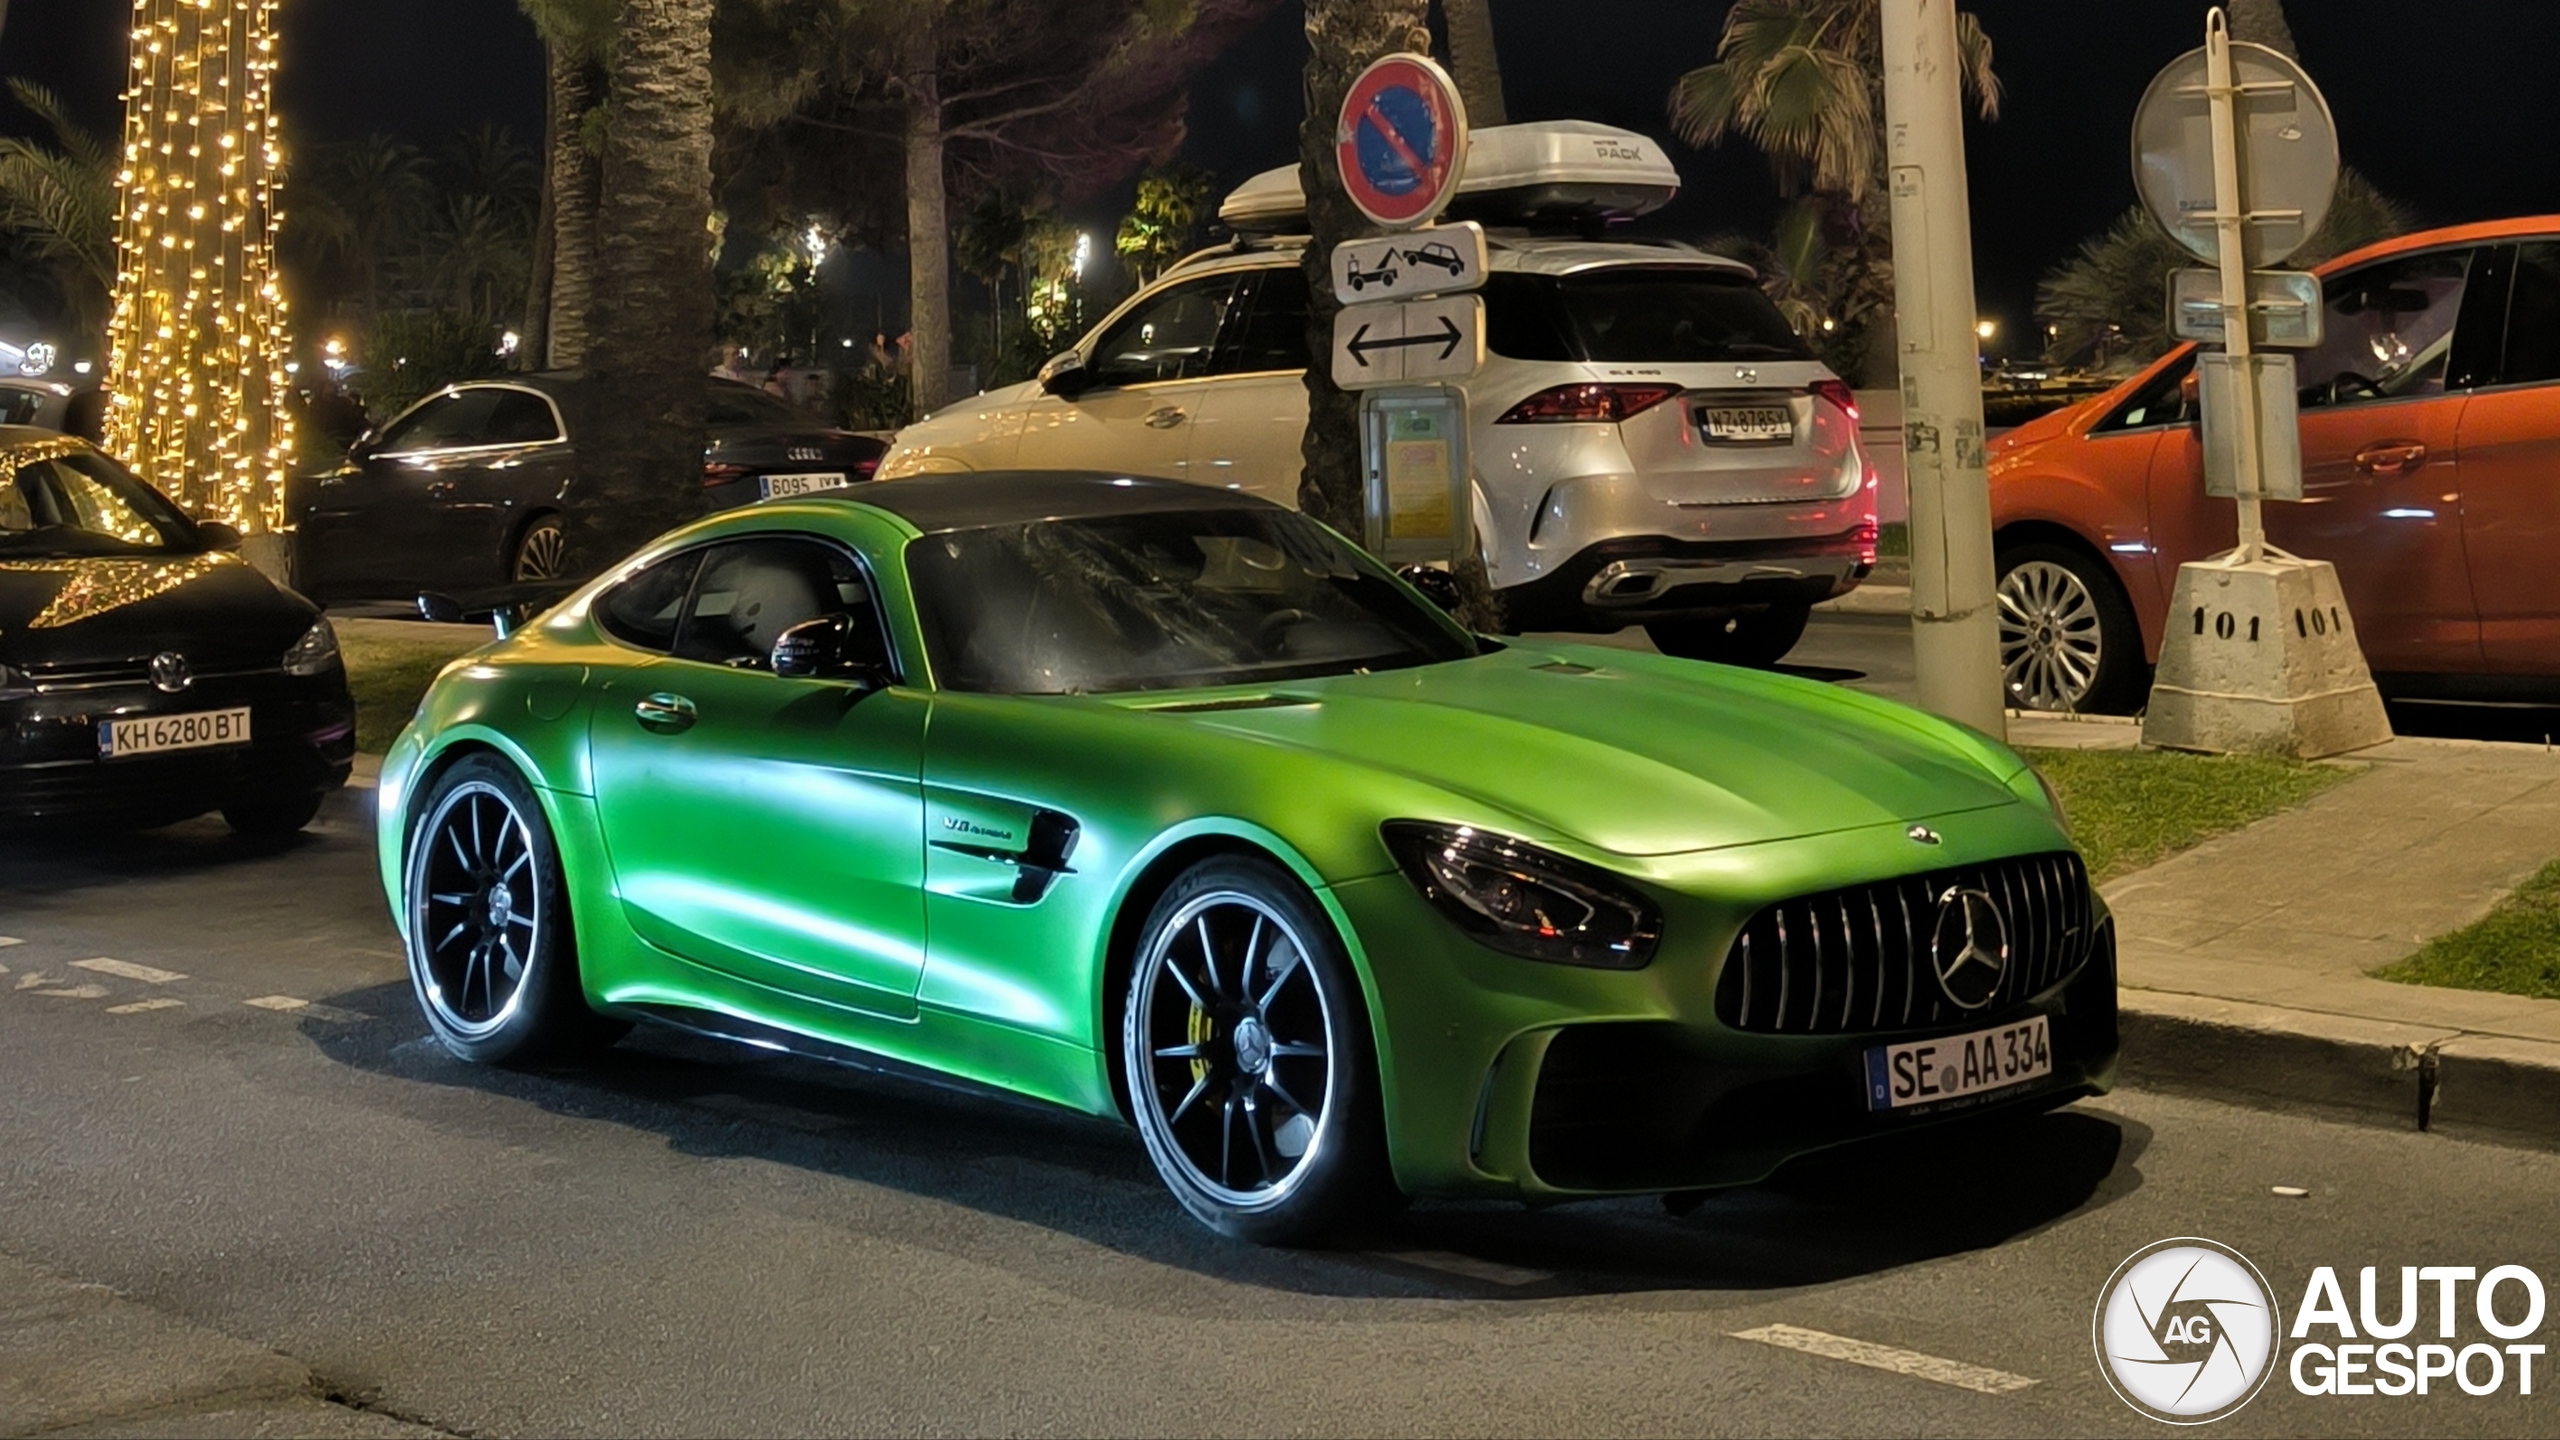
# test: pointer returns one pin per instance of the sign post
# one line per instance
(1409, 312)
(2237, 157)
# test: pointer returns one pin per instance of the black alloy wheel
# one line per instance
(1245, 1046)
(492, 957)
(541, 552)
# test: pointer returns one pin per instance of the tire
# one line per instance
(1256, 1092)
(539, 551)
(502, 987)
(272, 817)
(1759, 641)
(2068, 639)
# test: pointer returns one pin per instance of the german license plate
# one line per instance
(1954, 1067)
(783, 487)
(155, 734)
(1757, 424)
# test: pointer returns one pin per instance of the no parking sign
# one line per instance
(1401, 142)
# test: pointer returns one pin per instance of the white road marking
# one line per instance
(1885, 1357)
(1468, 1266)
(127, 970)
(8, 940)
(78, 992)
(288, 1005)
(29, 982)
(140, 1007)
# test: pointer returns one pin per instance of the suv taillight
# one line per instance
(1838, 393)
(722, 474)
(1587, 404)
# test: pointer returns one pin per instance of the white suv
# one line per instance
(1651, 443)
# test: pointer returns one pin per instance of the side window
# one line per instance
(20, 407)
(2388, 332)
(1168, 337)
(521, 418)
(1274, 333)
(750, 591)
(2533, 317)
(2168, 400)
(1520, 318)
(446, 422)
(644, 609)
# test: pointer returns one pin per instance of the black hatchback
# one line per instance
(468, 489)
(147, 675)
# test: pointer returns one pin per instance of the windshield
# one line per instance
(1673, 316)
(737, 405)
(64, 499)
(1162, 601)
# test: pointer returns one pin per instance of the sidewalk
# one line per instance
(2243, 961)
(80, 1360)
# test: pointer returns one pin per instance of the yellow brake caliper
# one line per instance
(1200, 1030)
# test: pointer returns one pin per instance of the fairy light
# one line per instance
(197, 344)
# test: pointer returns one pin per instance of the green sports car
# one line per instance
(1157, 801)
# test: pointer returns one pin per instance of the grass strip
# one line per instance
(388, 670)
(2132, 808)
(2514, 949)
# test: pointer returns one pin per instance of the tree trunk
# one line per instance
(928, 231)
(2261, 22)
(577, 86)
(1343, 37)
(534, 350)
(1473, 62)
(650, 326)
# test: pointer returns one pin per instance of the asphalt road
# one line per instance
(685, 1238)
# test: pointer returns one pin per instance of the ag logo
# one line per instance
(2185, 1331)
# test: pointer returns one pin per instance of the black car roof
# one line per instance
(936, 503)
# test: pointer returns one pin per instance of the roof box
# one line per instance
(1553, 170)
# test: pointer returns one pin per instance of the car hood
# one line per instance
(215, 609)
(1633, 754)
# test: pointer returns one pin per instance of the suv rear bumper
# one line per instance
(1617, 583)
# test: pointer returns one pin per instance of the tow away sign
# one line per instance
(1405, 341)
(1440, 260)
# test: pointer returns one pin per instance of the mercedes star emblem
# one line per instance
(1746, 374)
(169, 672)
(1921, 835)
(1969, 947)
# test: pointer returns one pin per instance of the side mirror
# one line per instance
(1437, 585)
(217, 536)
(1065, 375)
(819, 650)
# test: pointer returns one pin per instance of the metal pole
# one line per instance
(2231, 232)
(1955, 633)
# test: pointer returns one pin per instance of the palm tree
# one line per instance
(59, 203)
(651, 321)
(1803, 80)
(1158, 228)
(576, 35)
(1473, 62)
(355, 207)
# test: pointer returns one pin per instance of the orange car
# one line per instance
(2431, 478)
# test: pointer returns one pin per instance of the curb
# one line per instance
(2457, 1083)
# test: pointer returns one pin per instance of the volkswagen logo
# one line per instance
(1969, 947)
(169, 672)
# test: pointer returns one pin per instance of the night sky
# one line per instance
(2448, 105)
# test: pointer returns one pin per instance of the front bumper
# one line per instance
(1618, 583)
(302, 740)
(1512, 1078)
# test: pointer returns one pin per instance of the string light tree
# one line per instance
(197, 345)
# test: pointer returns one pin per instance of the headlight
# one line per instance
(316, 653)
(2054, 800)
(1524, 901)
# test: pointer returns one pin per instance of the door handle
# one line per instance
(1167, 417)
(440, 490)
(2391, 457)
(664, 713)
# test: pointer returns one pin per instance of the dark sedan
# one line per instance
(146, 674)
(469, 488)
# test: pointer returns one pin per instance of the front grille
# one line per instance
(1859, 959)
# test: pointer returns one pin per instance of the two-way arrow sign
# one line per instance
(1404, 341)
